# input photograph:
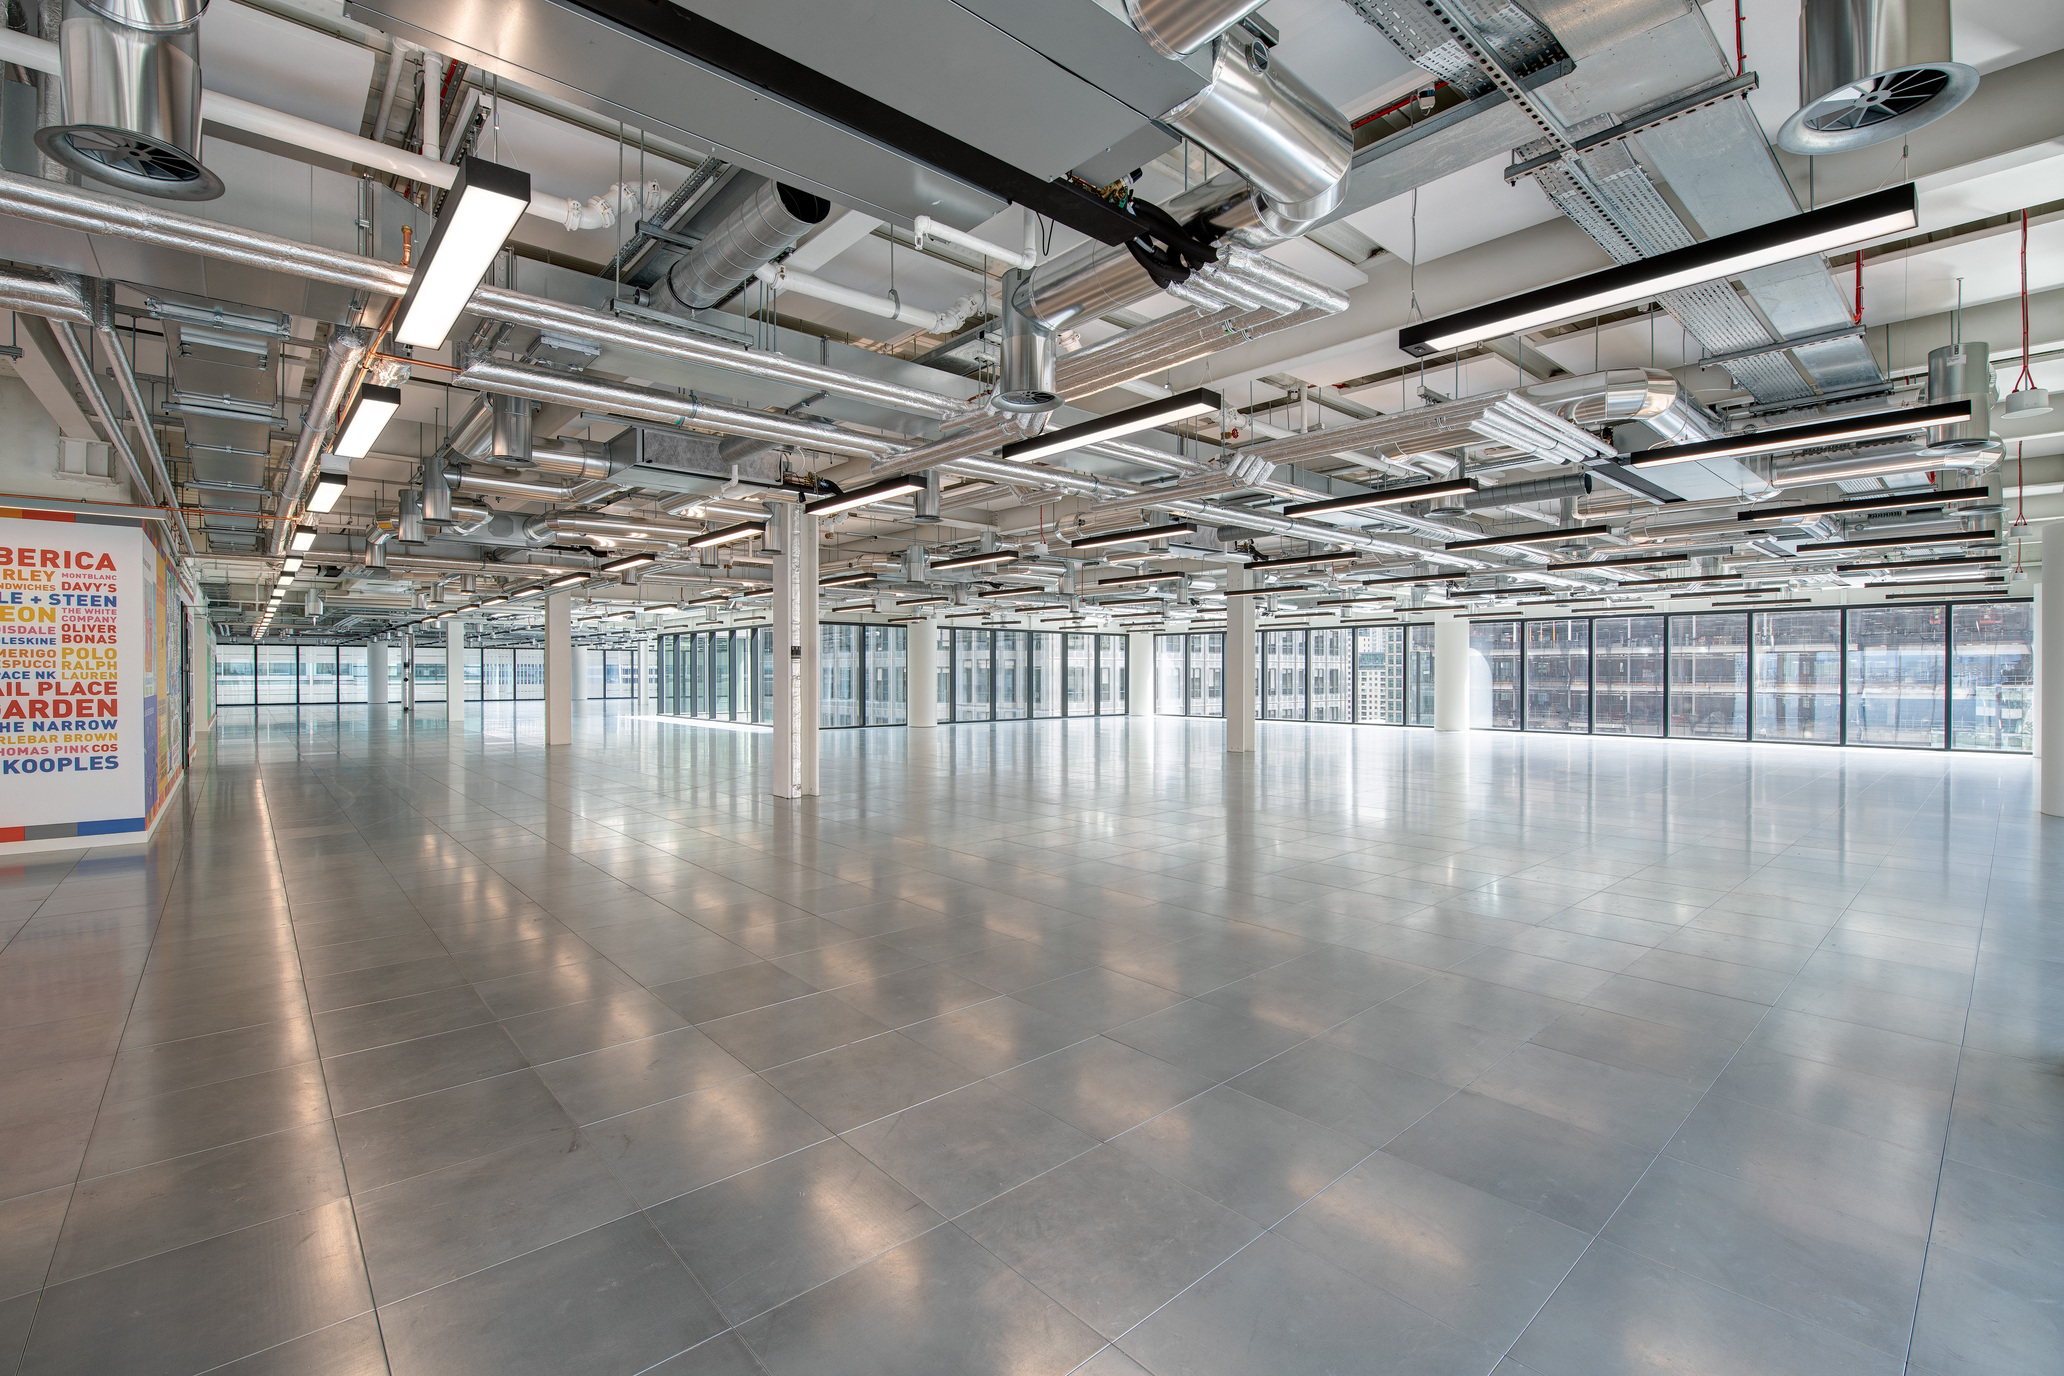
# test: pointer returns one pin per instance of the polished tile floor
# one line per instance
(1038, 1048)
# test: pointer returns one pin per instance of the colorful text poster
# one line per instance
(73, 649)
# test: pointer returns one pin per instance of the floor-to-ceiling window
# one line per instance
(1496, 645)
(728, 674)
(838, 674)
(353, 685)
(1709, 675)
(1897, 686)
(1013, 675)
(1798, 658)
(1379, 675)
(1330, 660)
(1282, 675)
(1627, 675)
(1419, 675)
(885, 675)
(972, 664)
(1992, 676)
(1558, 674)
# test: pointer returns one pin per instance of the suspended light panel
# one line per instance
(1166, 411)
(480, 210)
(859, 497)
(368, 416)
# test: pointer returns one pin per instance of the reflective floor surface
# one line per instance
(1038, 1048)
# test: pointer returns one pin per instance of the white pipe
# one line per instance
(397, 56)
(934, 322)
(217, 108)
(428, 133)
(929, 228)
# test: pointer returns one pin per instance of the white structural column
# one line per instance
(376, 673)
(2049, 669)
(583, 676)
(455, 667)
(1239, 665)
(924, 675)
(1139, 674)
(559, 669)
(408, 673)
(1450, 674)
(795, 654)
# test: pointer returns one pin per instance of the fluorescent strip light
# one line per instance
(1263, 592)
(292, 563)
(1689, 578)
(1166, 411)
(1823, 230)
(744, 530)
(1133, 578)
(1531, 537)
(567, 580)
(846, 580)
(480, 210)
(920, 601)
(1871, 426)
(710, 599)
(1345, 556)
(859, 497)
(368, 416)
(1945, 560)
(969, 561)
(302, 540)
(1389, 496)
(494, 601)
(1133, 602)
(628, 562)
(1916, 501)
(1133, 537)
(327, 492)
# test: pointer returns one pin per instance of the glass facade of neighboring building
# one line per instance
(1004, 675)
(728, 674)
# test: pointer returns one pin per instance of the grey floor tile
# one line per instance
(1848, 1274)
(1367, 1100)
(708, 997)
(400, 1019)
(977, 1318)
(1622, 1315)
(632, 1075)
(1206, 1039)
(206, 1304)
(1432, 1048)
(188, 1120)
(1638, 1107)
(1982, 1317)
(1258, 1160)
(146, 1071)
(1999, 1218)
(1571, 1175)
(685, 1143)
(1633, 1043)
(967, 1147)
(429, 1229)
(1096, 999)
(865, 1080)
(2009, 1117)
(996, 1034)
(612, 1301)
(575, 1028)
(760, 1238)
(1478, 1263)
(402, 1070)
(1274, 1307)
(1108, 1237)
(784, 1032)
(1905, 1115)
(414, 1136)
(1102, 1086)
(116, 1219)
(28, 1238)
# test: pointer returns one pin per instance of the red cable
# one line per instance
(1741, 55)
(2025, 375)
(1858, 318)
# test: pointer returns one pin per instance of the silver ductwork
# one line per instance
(341, 360)
(755, 234)
(132, 97)
(1648, 395)
(1283, 136)
(1882, 463)
(1025, 376)
(1178, 28)
(1871, 71)
(509, 439)
(1962, 372)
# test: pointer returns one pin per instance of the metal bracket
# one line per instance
(1759, 350)
(1649, 118)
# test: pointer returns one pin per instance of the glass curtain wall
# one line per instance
(996, 675)
(1330, 660)
(1992, 677)
(1709, 675)
(1897, 693)
(728, 674)
(1379, 675)
(1558, 675)
(1627, 655)
(1169, 700)
(1419, 675)
(353, 685)
(885, 675)
(1798, 657)
(1496, 643)
(1282, 675)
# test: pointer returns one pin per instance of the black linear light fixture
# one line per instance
(1898, 501)
(1531, 537)
(1140, 536)
(1943, 561)
(1263, 592)
(368, 416)
(846, 580)
(1288, 561)
(1830, 227)
(1387, 496)
(970, 561)
(1872, 425)
(1130, 580)
(1198, 401)
(629, 562)
(744, 530)
(1880, 541)
(480, 210)
(863, 496)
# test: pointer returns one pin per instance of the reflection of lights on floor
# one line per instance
(700, 721)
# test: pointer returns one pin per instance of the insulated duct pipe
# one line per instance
(568, 458)
(782, 278)
(340, 361)
(68, 207)
(1648, 395)
(52, 298)
(1178, 28)
(756, 233)
(509, 429)
(665, 408)
(1880, 464)
(133, 400)
(1025, 375)
(68, 343)
(504, 487)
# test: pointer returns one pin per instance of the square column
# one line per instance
(455, 667)
(1240, 616)
(922, 645)
(1139, 674)
(376, 673)
(408, 673)
(559, 669)
(1450, 674)
(795, 652)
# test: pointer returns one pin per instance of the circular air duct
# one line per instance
(1871, 71)
(132, 97)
